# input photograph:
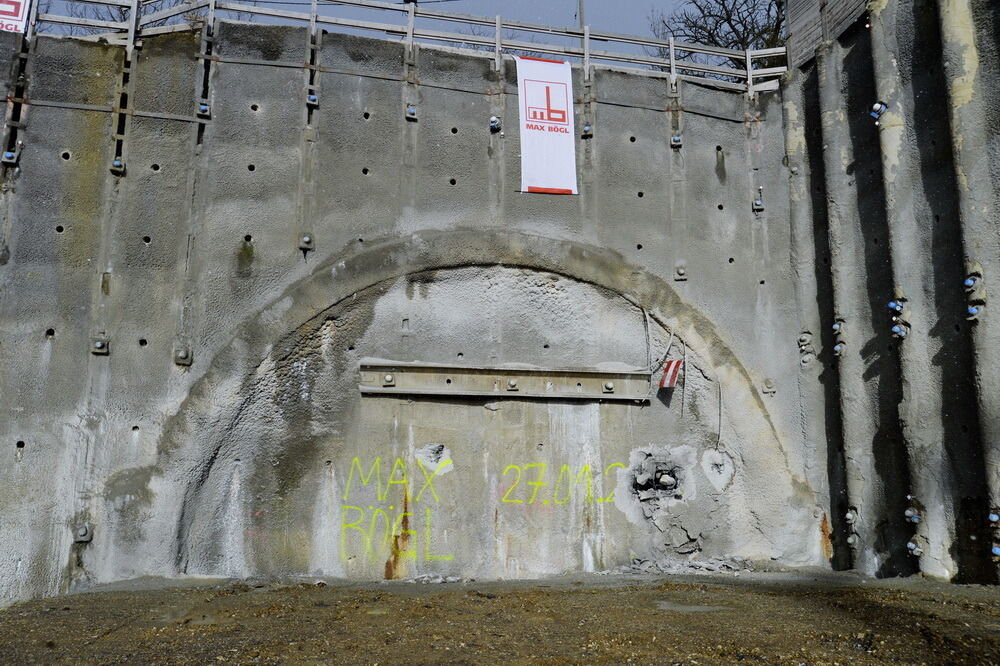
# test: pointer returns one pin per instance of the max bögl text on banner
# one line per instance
(548, 136)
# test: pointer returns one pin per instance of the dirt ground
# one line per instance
(723, 619)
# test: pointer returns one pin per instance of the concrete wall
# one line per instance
(262, 457)
(905, 211)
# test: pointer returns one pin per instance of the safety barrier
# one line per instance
(142, 18)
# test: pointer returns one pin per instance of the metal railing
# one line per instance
(669, 58)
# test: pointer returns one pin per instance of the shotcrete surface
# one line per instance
(821, 618)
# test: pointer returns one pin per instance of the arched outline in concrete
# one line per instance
(269, 333)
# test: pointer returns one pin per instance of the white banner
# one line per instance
(14, 15)
(548, 136)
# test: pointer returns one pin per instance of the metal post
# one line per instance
(410, 17)
(498, 45)
(32, 18)
(673, 65)
(133, 24)
(586, 52)
(749, 74)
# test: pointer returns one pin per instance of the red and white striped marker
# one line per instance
(671, 371)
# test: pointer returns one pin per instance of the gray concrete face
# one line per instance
(261, 457)
(904, 225)
(877, 473)
(939, 419)
(255, 453)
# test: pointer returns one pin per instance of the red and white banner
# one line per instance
(548, 136)
(14, 15)
(671, 372)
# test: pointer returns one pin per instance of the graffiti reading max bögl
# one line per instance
(404, 496)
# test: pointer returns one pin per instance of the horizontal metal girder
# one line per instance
(409, 378)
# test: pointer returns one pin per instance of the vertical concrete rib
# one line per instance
(877, 473)
(848, 272)
(977, 213)
(818, 394)
(945, 457)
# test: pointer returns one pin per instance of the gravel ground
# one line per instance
(752, 618)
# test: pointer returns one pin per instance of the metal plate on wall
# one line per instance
(409, 378)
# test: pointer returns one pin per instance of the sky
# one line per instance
(629, 17)
(625, 16)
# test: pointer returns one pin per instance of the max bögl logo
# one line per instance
(546, 102)
(11, 9)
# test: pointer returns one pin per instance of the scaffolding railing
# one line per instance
(134, 19)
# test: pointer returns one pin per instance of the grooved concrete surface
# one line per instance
(262, 458)
(905, 210)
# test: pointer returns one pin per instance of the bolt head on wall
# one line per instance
(183, 355)
(10, 157)
(100, 345)
(83, 533)
(307, 242)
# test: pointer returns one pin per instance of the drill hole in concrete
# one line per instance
(364, 171)
(638, 246)
(639, 194)
(452, 181)
(545, 346)
(721, 206)
(154, 167)
(762, 282)
(135, 428)
(732, 260)
(20, 444)
(718, 149)
(143, 342)
(366, 115)
(454, 130)
(248, 238)
(631, 139)
(351, 348)
(251, 167)
(50, 333)
(59, 229)
(147, 240)
(254, 107)
(448, 381)
(461, 355)
(65, 155)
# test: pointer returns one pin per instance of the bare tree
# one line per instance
(119, 14)
(729, 24)
(508, 35)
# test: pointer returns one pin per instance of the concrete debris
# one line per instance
(668, 566)
(434, 578)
